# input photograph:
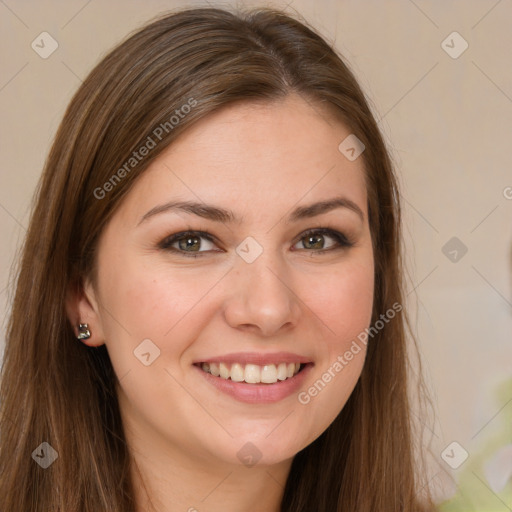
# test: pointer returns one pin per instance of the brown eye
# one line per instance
(191, 243)
(323, 240)
(314, 241)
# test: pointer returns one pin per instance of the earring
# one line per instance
(83, 332)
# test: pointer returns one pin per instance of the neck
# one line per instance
(173, 482)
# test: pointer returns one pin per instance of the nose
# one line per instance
(261, 297)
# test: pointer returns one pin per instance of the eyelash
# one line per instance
(342, 241)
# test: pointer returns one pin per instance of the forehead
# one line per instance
(261, 157)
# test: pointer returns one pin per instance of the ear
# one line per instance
(82, 308)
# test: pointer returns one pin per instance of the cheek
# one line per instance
(149, 299)
(161, 305)
(343, 300)
(349, 314)
(152, 302)
(344, 305)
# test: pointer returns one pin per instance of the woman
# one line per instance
(208, 313)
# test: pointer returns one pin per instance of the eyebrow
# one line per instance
(218, 214)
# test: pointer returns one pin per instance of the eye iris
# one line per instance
(314, 242)
(190, 242)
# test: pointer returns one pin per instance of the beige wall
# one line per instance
(449, 121)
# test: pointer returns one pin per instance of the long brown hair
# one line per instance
(57, 390)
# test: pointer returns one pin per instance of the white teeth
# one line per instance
(237, 372)
(252, 373)
(214, 369)
(269, 374)
(281, 371)
(223, 371)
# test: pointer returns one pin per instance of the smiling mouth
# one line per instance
(252, 373)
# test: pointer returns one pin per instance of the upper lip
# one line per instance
(258, 358)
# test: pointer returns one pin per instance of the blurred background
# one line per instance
(439, 79)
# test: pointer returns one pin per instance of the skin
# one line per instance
(260, 160)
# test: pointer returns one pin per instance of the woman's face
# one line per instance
(277, 270)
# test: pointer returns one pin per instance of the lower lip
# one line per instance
(258, 393)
